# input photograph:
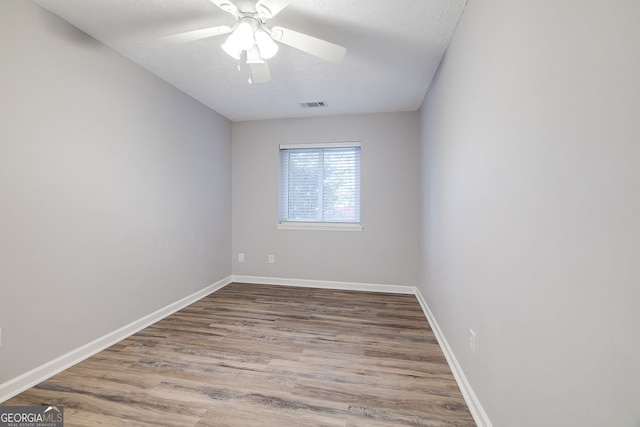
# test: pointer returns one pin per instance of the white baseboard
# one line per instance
(346, 286)
(477, 411)
(35, 376)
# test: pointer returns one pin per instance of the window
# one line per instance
(320, 186)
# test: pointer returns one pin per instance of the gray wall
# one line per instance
(385, 252)
(530, 199)
(115, 190)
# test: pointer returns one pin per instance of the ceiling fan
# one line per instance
(252, 42)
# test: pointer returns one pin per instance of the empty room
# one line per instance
(320, 213)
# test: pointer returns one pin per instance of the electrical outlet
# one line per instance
(272, 259)
(472, 342)
(240, 257)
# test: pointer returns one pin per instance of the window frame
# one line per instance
(319, 225)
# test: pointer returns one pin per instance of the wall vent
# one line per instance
(317, 104)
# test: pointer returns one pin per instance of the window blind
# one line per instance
(320, 183)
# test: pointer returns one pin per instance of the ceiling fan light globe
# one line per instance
(268, 48)
(231, 48)
(243, 34)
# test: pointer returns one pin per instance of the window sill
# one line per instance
(319, 226)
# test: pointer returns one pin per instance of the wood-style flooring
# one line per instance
(259, 355)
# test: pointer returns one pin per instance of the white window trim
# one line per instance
(322, 145)
(320, 226)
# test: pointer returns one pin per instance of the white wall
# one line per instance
(530, 193)
(385, 252)
(115, 190)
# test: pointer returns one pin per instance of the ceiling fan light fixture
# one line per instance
(232, 50)
(241, 39)
(243, 35)
(268, 48)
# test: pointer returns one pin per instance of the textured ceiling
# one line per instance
(393, 50)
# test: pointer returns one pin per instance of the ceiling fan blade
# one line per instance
(260, 72)
(306, 43)
(190, 36)
(227, 6)
(270, 8)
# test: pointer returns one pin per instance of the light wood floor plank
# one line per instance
(260, 355)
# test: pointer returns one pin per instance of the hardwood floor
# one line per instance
(259, 355)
